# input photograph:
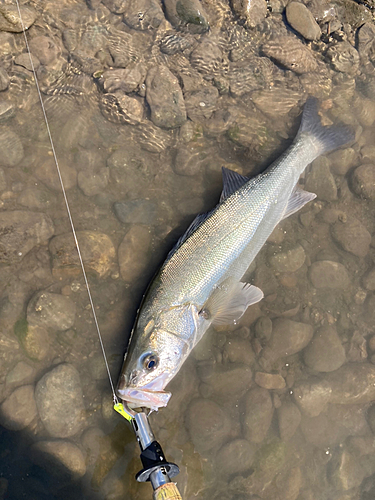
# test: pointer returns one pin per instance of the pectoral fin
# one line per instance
(229, 301)
(297, 200)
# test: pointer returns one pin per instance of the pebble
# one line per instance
(328, 274)
(342, 160)
(251, 13)
(269, 380)
(208, 424)
(353, 383)
(60, 458)
(288, 337)
(11, 149)
(51, 311)
(134, 253)
(4, 79)
(258, 414)
(320, 181)
(363, 181)
(239, 350)
(288, 261)
(137, 211)
(343, 57)
(97, 249)
(126, 80)
(19, 409)
(94, 183)
(289, 418)
(352, 236)
(164, 96)
(312, 396)
(187, 12)
(59, 400)
(235, 457)
(21, 231)
(289, 52)
(10, 21)
(47, 174)
(301, 19)
(143, 14)
(325, 352)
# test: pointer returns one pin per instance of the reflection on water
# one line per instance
(145, 105)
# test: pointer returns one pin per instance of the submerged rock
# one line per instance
(325, 352)
(291, 53)
(288, 261)
(352, 236)
(59, 400)
(344, 57)
(345, 472)
(133, 253)
(312, 396)
(20, 231)
(60, 458)
(269, 380)
(10, 20)
(289, 418)
(353, 383)
(235, 457)
(320, 180)
(258, 414)
(252, 13)
(164, 96)
(51, 310)
(328, 274)
(208, 425)
(19, 409)
(11, 149)
(302, 20)
(363, 181)
(187, 12)
(143, 14)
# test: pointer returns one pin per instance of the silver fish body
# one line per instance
(199, 283)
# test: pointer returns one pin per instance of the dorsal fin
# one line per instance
(231, 182)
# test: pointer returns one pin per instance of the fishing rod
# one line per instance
(156, 469)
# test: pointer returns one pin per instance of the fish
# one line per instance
(199, 284)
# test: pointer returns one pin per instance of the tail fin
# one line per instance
(326, 138)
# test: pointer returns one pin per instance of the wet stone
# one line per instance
(312, 396)
(207, 58)
(19, 409)
(269, 380)
(252, 13)
(239, 350)
(10, 21)
(47, 174)
(369, 281)
(363, 181)
(20, 231)
(35, 198)
(136, 211)
(289, 418)
(164, 96)
(24, 61)
(133, 253)
(320, 180)
(97, 249)
(342, 160)
(302, 20)
(208, 424)
(4, 79)
(44, 48)
(176, 42)
(288, 337)
(11, 149)
(228, 383)
(187, 12)
(258, 414)
(21, 374)
(59, 400)
(353, 383)
(343, 57)
(94, 183)
(290, 52)
(143, 14)
(126, 80)
(325, 352)
(60, 458)
(352, 236)
(276, 101)
(201, 103)
(288, 261)
(51, 310)
(192, 159)
(345, 471)
(33, 338)
(328, 274)
(235, 457)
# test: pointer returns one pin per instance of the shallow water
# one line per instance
(280, 405)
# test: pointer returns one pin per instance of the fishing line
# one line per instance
(115, 400)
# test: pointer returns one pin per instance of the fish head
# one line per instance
(157, 351)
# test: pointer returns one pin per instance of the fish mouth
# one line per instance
(150, 395)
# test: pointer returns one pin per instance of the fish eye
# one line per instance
(150, 362)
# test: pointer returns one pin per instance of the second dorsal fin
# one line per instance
(231, 182)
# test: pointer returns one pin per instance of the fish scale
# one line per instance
(199, 283)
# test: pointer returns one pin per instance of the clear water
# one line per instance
(149, 170)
